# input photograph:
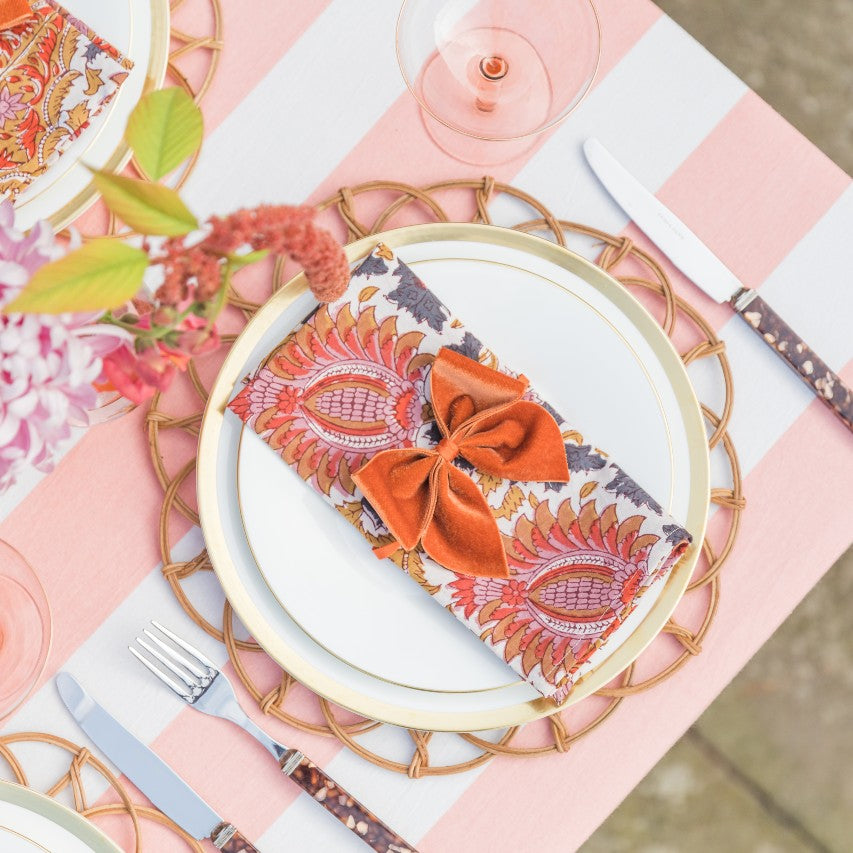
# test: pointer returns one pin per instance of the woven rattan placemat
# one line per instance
(638, 271)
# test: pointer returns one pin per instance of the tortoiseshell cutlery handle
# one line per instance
(826, 384)
(349, 811)
(226, 838)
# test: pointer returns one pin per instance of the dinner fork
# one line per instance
(196, 679)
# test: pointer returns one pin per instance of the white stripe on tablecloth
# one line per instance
(299, 121)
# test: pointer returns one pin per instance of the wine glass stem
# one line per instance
(492, 70)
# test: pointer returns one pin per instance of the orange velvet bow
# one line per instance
(422, 498)
(13, 12)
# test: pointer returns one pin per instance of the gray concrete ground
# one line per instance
(769, 766)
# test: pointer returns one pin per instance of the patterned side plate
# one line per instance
(364, 635)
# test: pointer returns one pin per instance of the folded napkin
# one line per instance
(383, 394)
(55, 76)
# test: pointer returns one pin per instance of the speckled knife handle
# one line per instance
(827, 385)
(349, 811)
(226, 838)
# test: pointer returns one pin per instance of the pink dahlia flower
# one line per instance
(48, 362)
(21, 254)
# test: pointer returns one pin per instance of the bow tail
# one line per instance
(462, 534)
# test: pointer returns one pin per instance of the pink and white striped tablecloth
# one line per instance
(308, 98)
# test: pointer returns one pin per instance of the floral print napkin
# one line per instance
(56, 75)
(354, 380)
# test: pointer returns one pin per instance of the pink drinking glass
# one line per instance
(25, 629)
(490, 75)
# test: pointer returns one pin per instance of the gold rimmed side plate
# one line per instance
(47, 809)
(237, 365)
(32, 204)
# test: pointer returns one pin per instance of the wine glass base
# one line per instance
(25, 629)
(470, 149)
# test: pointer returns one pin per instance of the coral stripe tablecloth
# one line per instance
(308, 98)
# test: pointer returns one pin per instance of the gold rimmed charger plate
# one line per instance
(43, 809)
(244, 356)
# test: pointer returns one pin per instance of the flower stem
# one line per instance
(218, 304)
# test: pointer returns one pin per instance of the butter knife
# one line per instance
(711, 275)
(149, 772)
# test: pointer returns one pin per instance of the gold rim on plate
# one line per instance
(233, 370)
(58, 814)
(158, 59)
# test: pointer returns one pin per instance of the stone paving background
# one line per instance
(769, 766)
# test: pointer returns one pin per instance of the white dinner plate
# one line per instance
(33, 823)
(356, 629)
(140, 30)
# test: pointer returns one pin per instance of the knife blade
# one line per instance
(166, 790)
(711, 275)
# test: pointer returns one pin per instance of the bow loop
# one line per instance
(423, 498)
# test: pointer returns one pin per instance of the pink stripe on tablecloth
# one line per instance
(766, 568)
(772, 195)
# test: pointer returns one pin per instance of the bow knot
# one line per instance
(447, 449)
(423, 498)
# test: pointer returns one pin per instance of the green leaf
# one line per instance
(99, 275)
(145, 207)
(163, 130)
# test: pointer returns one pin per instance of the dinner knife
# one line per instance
(711, 275)
(148, 772)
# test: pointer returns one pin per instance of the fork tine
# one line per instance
(166, 679)
(186, 646)
(168, 662)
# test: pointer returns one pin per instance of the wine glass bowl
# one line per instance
(497, 70)
(25, 629)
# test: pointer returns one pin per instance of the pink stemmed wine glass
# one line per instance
(25, 629)
(490, 75)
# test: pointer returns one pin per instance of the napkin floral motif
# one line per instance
(56, 76)
(353, 380)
